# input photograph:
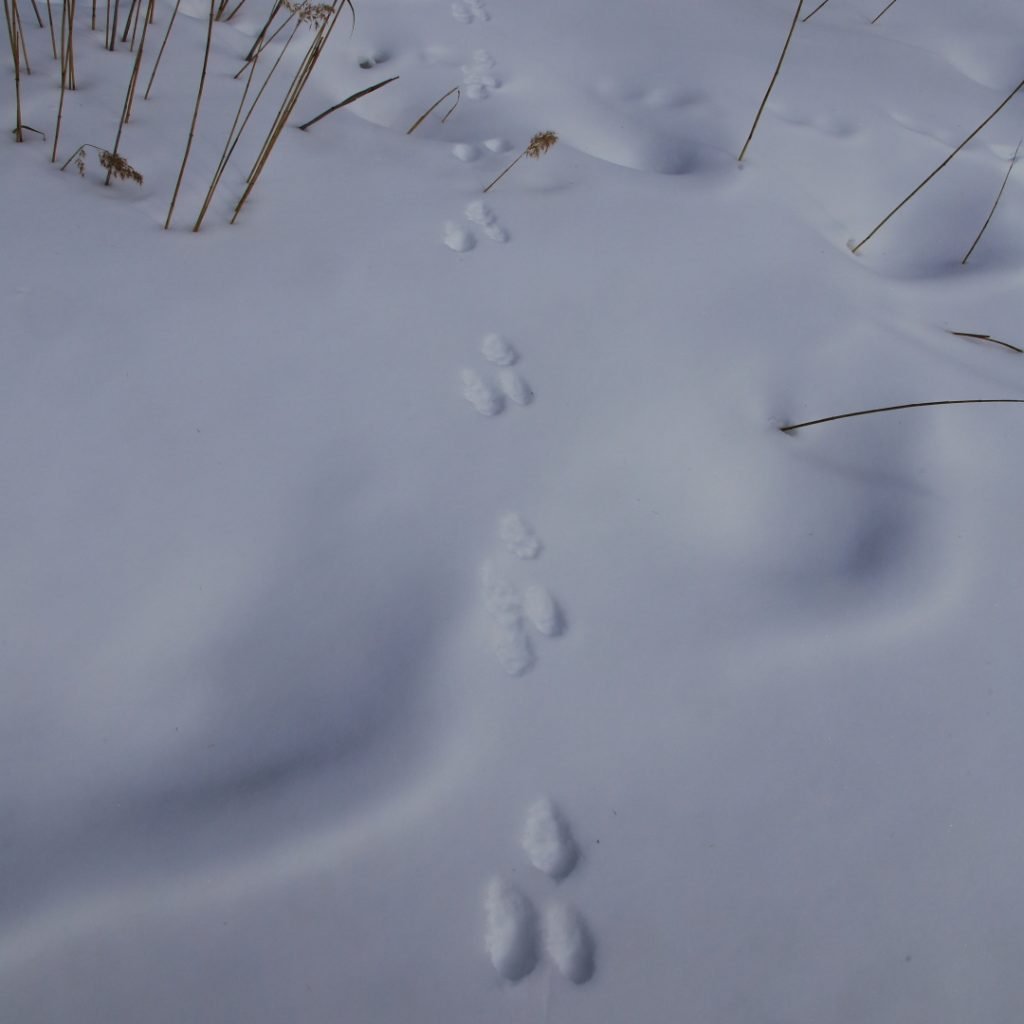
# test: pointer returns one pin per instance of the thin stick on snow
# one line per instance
(882, 11)
(345, 102)
(907, 405)
(899, 206)
(999, 195)
(986, 337)
(815, 11)
(771, 84)
(433, 106)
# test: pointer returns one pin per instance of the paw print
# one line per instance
(515, 934)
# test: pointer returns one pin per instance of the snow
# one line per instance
(333, 537)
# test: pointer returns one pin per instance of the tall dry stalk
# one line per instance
(195, 114)
(322, 18)
(771, 84)
(112, 20)
(999, 195)
(67, 39)
(160, 52)
(259, 46)
(126, 109)
(538, 146)
(899, 206)
(10, 16)
(53, 34)
(237, 129)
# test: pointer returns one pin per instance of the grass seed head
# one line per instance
(540, 144)
(118, 167)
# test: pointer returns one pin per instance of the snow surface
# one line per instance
(293, 637)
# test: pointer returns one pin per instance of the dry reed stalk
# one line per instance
(991, 213)
(771, 84)
(234, 135)
(235, 10)
(229, 148)
(345, 102)
(53, 34)
(22, 48)
(126, 109)
(899, 206)
(10, 16)
(35, 11)
(133, 8)
(433, 106)
(906, 405)
(324, 18)
(538, 146)
(257, 50)
(112, 24)
(988, 338)
(195, 115)
(882, 11)
(66, 29)
(261, 35)
(160, 52)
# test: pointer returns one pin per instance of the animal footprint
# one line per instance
(457, 238)
(509, 639)
(482, 396)
(479, 213)
(511, 930)
(548, 840)
(542, 611)
(513, 935)
(470, 11)
(569, 943)
(518, 536)
(512, 612)
(488, 396)
(477, 77)
(496, 349)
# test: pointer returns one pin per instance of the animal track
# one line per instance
(462, 239)
(477, 77)
(479, 213)
(457, 238)
(496, 349)
(469, 11)
(512, 933)
(511, 930)
(518, 536)
(469, 151)
(488, 396)
(487, 400)
(548, 840)
(511, 612)
(567, 940)
(542, 611)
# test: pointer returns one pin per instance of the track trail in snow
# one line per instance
(515, 933)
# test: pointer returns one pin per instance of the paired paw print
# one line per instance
(488, 396)
(483, 218)
(515, 934)
(469, 11)
(512, 611)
